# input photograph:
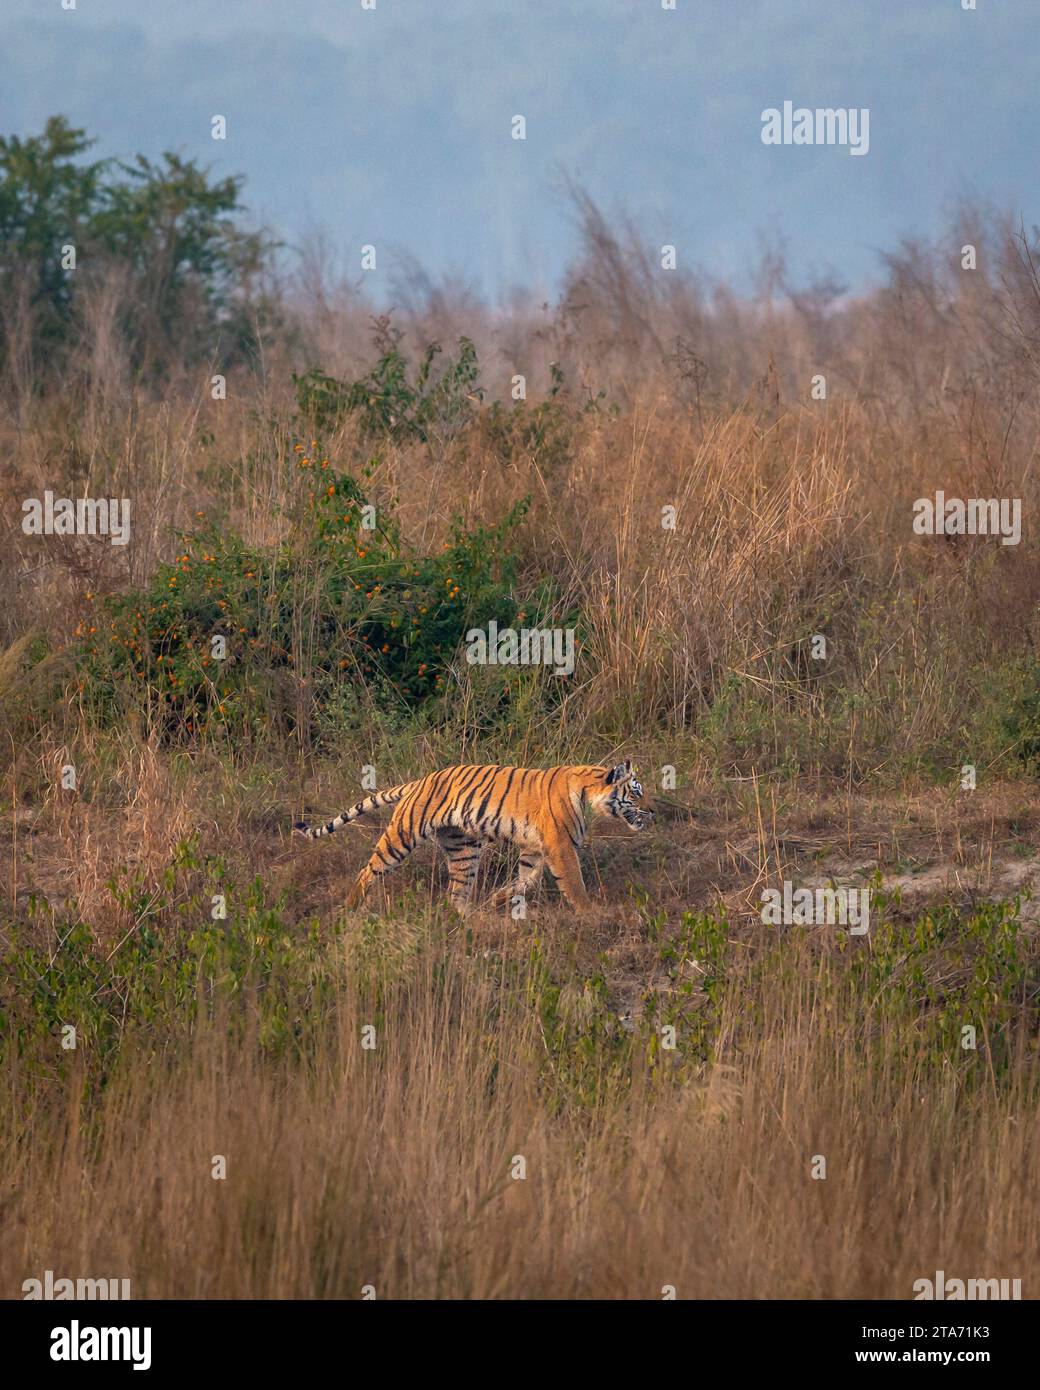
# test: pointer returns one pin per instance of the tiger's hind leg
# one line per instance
(392, 848)
(463, 852)
(530, 871)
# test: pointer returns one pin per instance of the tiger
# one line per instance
(544, 812)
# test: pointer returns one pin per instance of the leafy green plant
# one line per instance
(172, 966)
(695, 957)
(386, 401)
(1021, 721)
(947, 970)
(225, 633)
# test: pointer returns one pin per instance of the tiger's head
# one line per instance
(617, 795)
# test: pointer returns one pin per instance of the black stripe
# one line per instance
(497, 819)
(493, 772)
(452, 792)
(432, 811)
(408, 813)
(484, 803)
(471, 781)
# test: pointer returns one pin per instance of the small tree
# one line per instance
(191, 268)
(47, 200)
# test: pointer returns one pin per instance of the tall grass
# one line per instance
(506, 1138)
(392, 1166)
(792, 516)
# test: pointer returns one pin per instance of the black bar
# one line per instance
(187, 1338)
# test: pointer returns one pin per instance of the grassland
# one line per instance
(248, 1036)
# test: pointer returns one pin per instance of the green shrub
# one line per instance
(339, 607)
(1021, 722)
(386, 401)
(177, 965)
(544, 430)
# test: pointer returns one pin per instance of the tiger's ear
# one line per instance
(621, 773)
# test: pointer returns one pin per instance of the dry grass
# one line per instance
(391, 1167)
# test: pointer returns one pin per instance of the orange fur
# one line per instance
(544, 812)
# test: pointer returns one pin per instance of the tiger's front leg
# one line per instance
(566, 870)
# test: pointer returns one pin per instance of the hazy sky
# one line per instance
(392, 126)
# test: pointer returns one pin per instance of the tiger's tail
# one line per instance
(362, 808)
